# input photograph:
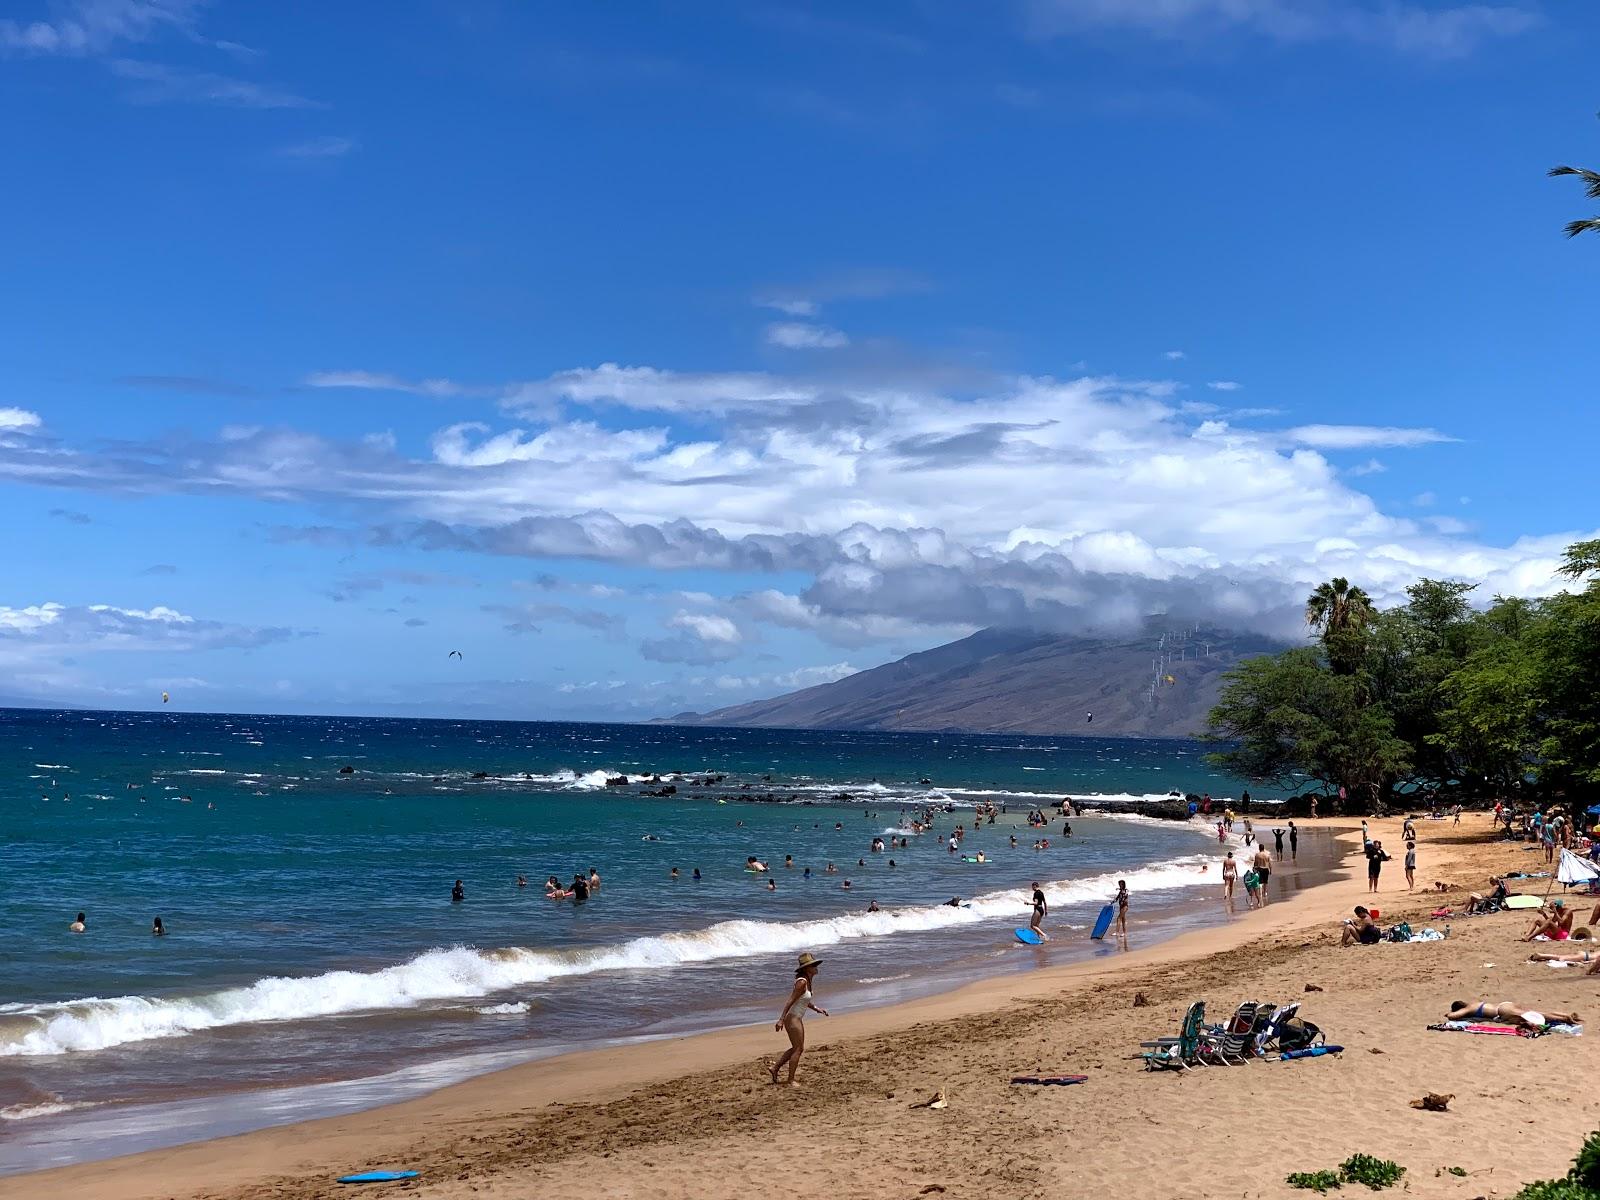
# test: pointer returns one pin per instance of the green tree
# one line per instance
(1288, 718)
(1340, 614)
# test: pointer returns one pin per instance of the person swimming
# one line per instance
(772, 885)
(458, 893)
(672, 874)
(81, 925)
(157, 929)
(697, 875)
(522, 881)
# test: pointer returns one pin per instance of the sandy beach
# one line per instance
(695, 1116)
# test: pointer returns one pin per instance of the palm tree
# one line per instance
(1336, 607)
(1591, 181)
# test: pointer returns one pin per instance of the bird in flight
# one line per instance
(455, 654)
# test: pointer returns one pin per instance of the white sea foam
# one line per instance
(462, 973)
(26, 1112)
(504, 1010)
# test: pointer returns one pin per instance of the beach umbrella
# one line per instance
(1574, 870)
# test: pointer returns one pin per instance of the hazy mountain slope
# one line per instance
(995, 681)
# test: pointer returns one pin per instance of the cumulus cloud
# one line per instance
(799, 335)
(1224, 385)
(700, 638)
(19, 420)
(107, 627)
(891, 507)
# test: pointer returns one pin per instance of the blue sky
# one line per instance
(662, 356)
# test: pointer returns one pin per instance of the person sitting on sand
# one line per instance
(80, 925)
(792, 1019)
(1554, 922)
(1508, 1012)
(1363, 930)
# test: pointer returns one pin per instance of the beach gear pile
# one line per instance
(1255, 1031)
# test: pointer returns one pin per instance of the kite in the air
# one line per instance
(1090, 721)
(163, 697)
(455, 654)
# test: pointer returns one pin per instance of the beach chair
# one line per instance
(1233, 1048)
(1182, 1051)
(1267, 1032)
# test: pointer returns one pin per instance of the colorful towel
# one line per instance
(1478, 1027)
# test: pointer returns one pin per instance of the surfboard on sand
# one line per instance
(378, 1177)
(1103, 921)
(1029, 936)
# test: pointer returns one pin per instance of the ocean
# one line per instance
(314, 962)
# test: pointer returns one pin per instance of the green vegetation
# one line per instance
(1580, 1183)
(1432, 694)
(1376, 1173)
(1591, 180)
(1314, 1181)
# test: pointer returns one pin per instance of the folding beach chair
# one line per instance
(1267, 1031)
(1235, 1044)
(1182, 1051)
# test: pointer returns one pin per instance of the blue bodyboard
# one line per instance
(1103, 921)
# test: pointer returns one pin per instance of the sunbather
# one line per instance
(1508, 1012)
(1553, 922)
(1581, 956)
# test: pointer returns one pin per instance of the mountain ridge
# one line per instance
(1151, 684)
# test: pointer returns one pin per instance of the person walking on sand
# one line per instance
(1375, 860)
(1230, 876)
(792, 1019)
(1121, 901)
(1411, 866)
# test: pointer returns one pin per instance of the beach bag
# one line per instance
(1400, 932)
(1298, 1035)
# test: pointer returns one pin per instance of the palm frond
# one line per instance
(1591, 179)
(1574, 228)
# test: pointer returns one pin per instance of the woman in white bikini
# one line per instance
(792, 1019)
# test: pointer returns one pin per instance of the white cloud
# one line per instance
(156, 83)
(1440, 31)
(89, 27)
(1174, 355)
(889, 508)
(1224, 385)
(1371, 467)
(798, 335)
(380, 382)
(19, 420)
(1363, 437)
(1425, 499)
(52, 625)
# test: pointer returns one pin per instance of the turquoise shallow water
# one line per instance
(312, 939)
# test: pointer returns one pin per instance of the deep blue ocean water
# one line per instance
(311, 938)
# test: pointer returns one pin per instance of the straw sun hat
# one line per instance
(807, 959)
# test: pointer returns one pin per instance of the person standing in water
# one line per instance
(1263, 867)
(458, 893)
(792, 1019)
(81, 925)
(1230, 876)
(1294, 841)
(157, 929)
(1121, 901)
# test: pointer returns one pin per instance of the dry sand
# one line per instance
(695, 1117)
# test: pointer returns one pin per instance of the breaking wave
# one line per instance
(461, 974)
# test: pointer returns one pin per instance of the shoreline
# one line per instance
(105, 1131)
(374, 1135)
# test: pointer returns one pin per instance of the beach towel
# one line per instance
(1049, 1080)
(1479, 1027)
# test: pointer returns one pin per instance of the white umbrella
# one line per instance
(1574, 870)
